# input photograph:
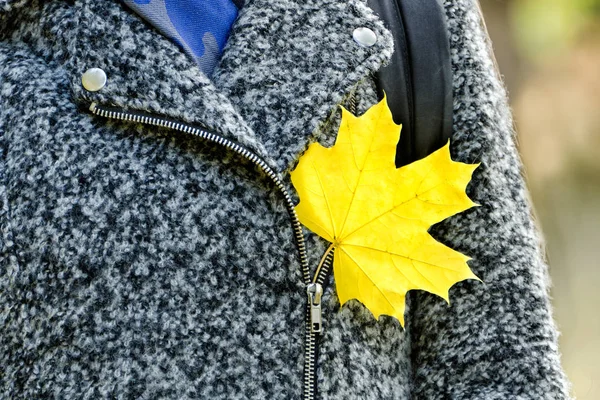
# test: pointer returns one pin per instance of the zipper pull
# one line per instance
(315, 291)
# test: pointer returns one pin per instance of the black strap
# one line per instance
(418, 80)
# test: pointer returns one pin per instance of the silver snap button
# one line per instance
(93, 79)
(364, 36)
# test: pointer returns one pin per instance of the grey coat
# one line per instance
(142, 262)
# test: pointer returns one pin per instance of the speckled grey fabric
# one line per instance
(139, 263)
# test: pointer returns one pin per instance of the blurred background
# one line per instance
(548, 52)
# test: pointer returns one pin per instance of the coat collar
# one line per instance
(286, 67)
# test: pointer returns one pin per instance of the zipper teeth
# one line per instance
(323, 273)
(310, 360)
(310, 356)
(352, 104)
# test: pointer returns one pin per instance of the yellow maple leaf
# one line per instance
(377, 216)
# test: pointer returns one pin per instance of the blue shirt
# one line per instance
(200, 27)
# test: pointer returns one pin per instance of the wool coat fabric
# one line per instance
(141, 263)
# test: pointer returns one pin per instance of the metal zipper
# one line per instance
(314, 287)
(352, 104)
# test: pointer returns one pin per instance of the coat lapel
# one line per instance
(286, 67)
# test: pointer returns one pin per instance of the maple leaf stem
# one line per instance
(329, 250)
